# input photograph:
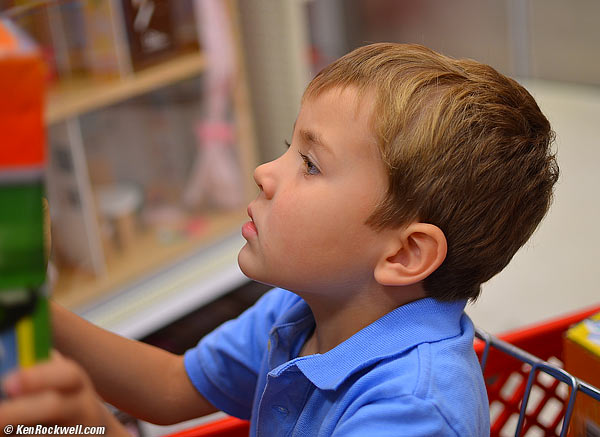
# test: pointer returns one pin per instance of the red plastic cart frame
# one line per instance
(525, 354)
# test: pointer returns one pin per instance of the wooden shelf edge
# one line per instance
(147, 257)
(73, 98)
(153, 302)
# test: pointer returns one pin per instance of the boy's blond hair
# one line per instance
(467, 149)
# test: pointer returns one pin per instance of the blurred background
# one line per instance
(158, 111)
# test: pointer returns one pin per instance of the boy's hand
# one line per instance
(57, 392)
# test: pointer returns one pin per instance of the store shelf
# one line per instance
(76, 288)
(156, 299)
(212, 253)
(74, 97)
(150, 279)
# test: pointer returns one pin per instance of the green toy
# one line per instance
(24, 320)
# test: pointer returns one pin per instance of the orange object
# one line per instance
(7, 40)
(22, 73)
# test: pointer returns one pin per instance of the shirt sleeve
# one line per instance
(224, 365)
(398, 416)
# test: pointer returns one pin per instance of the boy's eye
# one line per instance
(310, 169)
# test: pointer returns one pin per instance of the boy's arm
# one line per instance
(142, 380)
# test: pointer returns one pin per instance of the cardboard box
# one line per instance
(582, 359)
(22, 84)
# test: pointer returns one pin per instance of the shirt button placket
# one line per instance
(281, 410)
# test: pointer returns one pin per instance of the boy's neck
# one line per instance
(338, 320)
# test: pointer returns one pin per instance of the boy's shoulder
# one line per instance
(442, 377)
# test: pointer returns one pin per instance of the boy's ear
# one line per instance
(413, 253)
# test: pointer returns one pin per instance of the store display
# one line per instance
(21, 236)
(106, 44)
(36, 24)
(150, 31)
(182, 15)
(22, 159)
(72, 32)
(215, 174)
(582, 358)
(116, 121)
(119, 205)
(24, 324)
(77, 240)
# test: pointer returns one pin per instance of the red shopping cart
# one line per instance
(529, 392)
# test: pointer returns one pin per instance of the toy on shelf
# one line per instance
(582, 358)
(214, 177)
(24, 324)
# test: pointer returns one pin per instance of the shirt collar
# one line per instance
(422, 321)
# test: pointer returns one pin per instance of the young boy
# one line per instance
(410, 180)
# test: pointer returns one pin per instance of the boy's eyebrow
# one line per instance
(313, 138)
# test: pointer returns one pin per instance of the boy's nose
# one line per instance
(264, 178)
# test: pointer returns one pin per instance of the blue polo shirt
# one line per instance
(411, 373)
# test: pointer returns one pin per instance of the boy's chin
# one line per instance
(248, 264)
(254, 267)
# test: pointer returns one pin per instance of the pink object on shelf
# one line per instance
(214, 132)
(214, 178)
(196, 227)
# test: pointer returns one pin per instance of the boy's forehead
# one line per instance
(340, 120)
(340, 98)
